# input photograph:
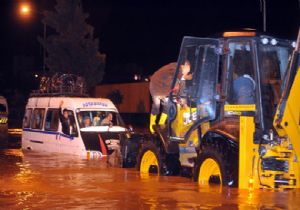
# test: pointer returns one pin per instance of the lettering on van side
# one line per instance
(94, 103)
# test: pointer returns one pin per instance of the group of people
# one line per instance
(68, 122)
(87, 121)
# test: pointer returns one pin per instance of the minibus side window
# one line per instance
(68, 124)
(27, 117)
(51, 123)
(37, 118)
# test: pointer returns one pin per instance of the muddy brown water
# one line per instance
(50, 181)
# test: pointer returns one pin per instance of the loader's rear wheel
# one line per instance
(217, 164)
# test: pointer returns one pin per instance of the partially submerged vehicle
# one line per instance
(3, 119)
(94, 129)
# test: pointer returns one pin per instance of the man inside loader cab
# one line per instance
(159, 87)
(184, 82)
(244, 88)
(160, 83)
(243, 82)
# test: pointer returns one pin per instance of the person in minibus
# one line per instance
(96, 119)
(107, 120)
(87, 121)
(65, 120)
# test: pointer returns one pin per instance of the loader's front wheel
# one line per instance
(149, 160)
(153, 160)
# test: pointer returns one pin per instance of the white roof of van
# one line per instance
(71, 103)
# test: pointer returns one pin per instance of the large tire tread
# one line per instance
(225, 155)
(168, 163)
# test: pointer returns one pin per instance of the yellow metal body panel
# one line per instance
(188, 151)
(184, 120)
(282, 152)
(240, 107)
(247, 154)
(290, 123)
(251, 173)
(289, 128)
(239, 33)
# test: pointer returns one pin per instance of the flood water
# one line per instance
(43, 181)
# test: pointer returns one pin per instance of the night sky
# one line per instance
(141, 37)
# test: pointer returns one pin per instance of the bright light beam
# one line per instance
(25, 9)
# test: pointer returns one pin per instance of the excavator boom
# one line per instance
(287, 118)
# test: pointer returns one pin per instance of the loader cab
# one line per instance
(237, 68)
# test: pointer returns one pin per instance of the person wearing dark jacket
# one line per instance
(65, 120)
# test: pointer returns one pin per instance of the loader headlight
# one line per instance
(293, 44)
(274, 41)
(265, 40)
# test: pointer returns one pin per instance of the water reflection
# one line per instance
(43, 181)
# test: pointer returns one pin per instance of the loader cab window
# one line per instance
(273, 61)
(241, 75)
(193, 99)
(185, 75)
(194, 80)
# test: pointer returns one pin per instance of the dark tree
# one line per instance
(72, 48)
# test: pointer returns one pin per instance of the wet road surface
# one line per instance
(43, 181)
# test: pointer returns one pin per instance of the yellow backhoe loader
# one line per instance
(235, 120)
